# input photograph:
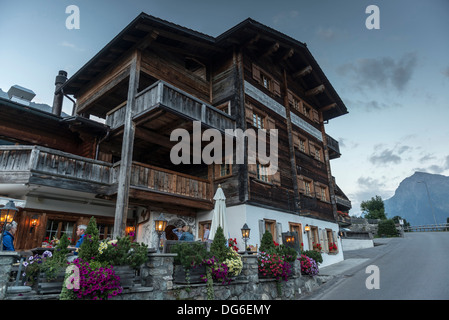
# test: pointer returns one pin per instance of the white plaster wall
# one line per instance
(355, 244)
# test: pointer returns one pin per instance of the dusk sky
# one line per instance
(393, 80)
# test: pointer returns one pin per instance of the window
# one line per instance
(302, 144)
(316, 245)
(270, 226)
(317, 153)
(258, 120)
(56, 228)
(262, 172)
(105, 231)
(225, 169)
(323, 193)
(308, 188)
(265, 81)
(306, 111)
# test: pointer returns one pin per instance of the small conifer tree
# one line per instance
(89, 247)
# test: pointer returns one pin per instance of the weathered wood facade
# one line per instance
(155, 77)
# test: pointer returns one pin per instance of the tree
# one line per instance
(89, 247)
(374, 208)
(387, 228)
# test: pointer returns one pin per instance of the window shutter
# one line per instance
(252, 170)
(279, 232)
(290, 97)
(312, 150)
(316, 116)
(301, 185)
(317, 188)
(271, 124)
(325, 241)
(321, 239)
(295, 140)
(276, 178)
(309, 239)
(256, 73)
(249, 113)
(276, 88)
(261, 229)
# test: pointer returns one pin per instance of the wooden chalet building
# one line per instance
(155, 77)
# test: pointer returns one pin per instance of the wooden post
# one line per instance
(291, 146)
(121, 209)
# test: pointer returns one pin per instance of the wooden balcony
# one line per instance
(43, 166)
(165, 96)
(52, 168)
(161, 185)
(334, 148)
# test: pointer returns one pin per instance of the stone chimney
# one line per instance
(57, 100)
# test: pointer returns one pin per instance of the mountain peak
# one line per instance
(422, 198)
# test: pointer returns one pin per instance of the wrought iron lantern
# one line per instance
(245, 235)
(159, 225)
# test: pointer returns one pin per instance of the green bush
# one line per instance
(89, 247)
(387, 228)
(218, 248)
(315, 255)
(267, 244)
(190, 254)
(288, 253)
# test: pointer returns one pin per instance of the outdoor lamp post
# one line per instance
(7, 215)
(159, 225)
(289, 238)
(245, 235)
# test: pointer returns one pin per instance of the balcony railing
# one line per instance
(166, 96)
(151, 178)
(53, 168)
(333, 146)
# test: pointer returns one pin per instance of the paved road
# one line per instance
(413, 267)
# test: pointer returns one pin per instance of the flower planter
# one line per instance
(45, 286)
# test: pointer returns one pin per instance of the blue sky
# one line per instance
(394, 80)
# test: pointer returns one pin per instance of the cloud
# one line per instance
(326, 33)
(383, 155)
(384, 72)
(434, 168)
(445, 72)
(285, 16)
(70, 45)
(387, 156)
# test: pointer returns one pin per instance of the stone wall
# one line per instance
(158, 275)
(157, 283)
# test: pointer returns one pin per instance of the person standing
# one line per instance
(8, 237)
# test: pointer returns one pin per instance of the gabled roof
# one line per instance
(144, 26)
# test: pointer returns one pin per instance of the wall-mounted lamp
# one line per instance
(306, 228)
(33, 223)
(130, 229)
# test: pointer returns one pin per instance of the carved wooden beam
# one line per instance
(328, 107)
(272, 49)
(316, 90)
(303, 72)
(288, 54)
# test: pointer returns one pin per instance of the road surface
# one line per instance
(409, 268)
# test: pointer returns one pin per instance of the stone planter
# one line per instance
(195, 274)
